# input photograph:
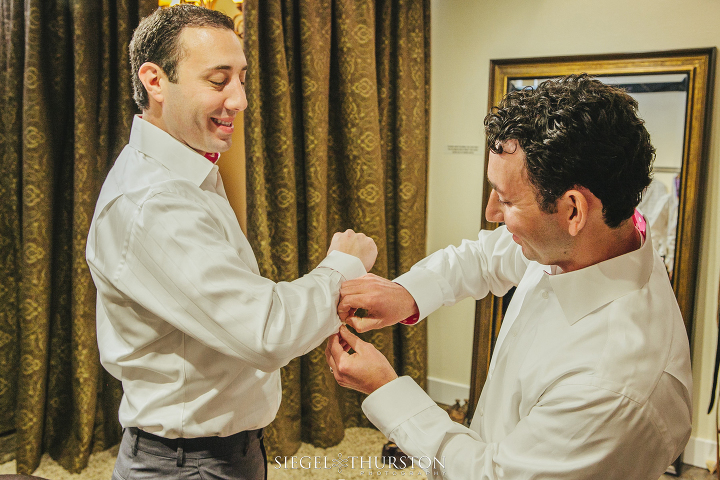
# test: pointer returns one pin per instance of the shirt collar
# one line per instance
(172, 154)
(583, 291)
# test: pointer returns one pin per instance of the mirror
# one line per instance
(673, 90)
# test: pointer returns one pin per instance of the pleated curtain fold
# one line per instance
(336, 137)
(66, 111)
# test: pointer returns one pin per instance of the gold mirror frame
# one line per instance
(699, 67)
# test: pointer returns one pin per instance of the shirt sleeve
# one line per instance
(492, 263)
(574, 432)
(179, 271)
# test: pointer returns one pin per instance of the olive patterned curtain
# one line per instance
(66, 112)
(336, 137)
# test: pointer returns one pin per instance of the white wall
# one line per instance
(466, 35)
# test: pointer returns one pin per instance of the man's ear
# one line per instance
(152, 77)
(573, 206)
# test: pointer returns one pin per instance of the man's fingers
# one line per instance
(348, 306)
(343, 306)
(328, 353)
(358, 318)
(353, 287)
(350, 301)
(360, 325)
(350, 338)
(343, 311)
(336, 349)
(360, 284)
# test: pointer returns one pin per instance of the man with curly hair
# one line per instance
(590, 376)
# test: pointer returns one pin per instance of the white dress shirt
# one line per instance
(589, 379)
(184, 319)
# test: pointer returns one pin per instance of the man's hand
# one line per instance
(357, 244)
(371, 302)
(365, 370)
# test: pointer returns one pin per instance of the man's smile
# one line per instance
(224, 125)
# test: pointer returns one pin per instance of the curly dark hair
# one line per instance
(576, 131)
(157, 40)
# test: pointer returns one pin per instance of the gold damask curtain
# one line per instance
(66, 112)
(336, 138)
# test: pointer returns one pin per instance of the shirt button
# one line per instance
(545, 294)
(480, 411)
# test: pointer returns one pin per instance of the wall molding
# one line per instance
(698, 451)
(446, 392)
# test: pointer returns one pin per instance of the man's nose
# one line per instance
(493, 213)
(236, 100)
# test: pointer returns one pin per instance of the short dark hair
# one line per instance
(157, 40)
(577, 132)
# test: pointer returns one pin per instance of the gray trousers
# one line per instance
(238, 457)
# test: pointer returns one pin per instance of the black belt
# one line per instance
(199, 444)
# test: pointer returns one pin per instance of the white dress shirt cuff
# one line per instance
(395, 403)
(349, 266)
(426, 292)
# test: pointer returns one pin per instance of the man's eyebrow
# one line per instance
(495, 187)
(224, 67)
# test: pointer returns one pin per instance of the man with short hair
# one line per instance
(184, 319)
(590, 376)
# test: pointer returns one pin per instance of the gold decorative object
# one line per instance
(231, 8)
(458, 413)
